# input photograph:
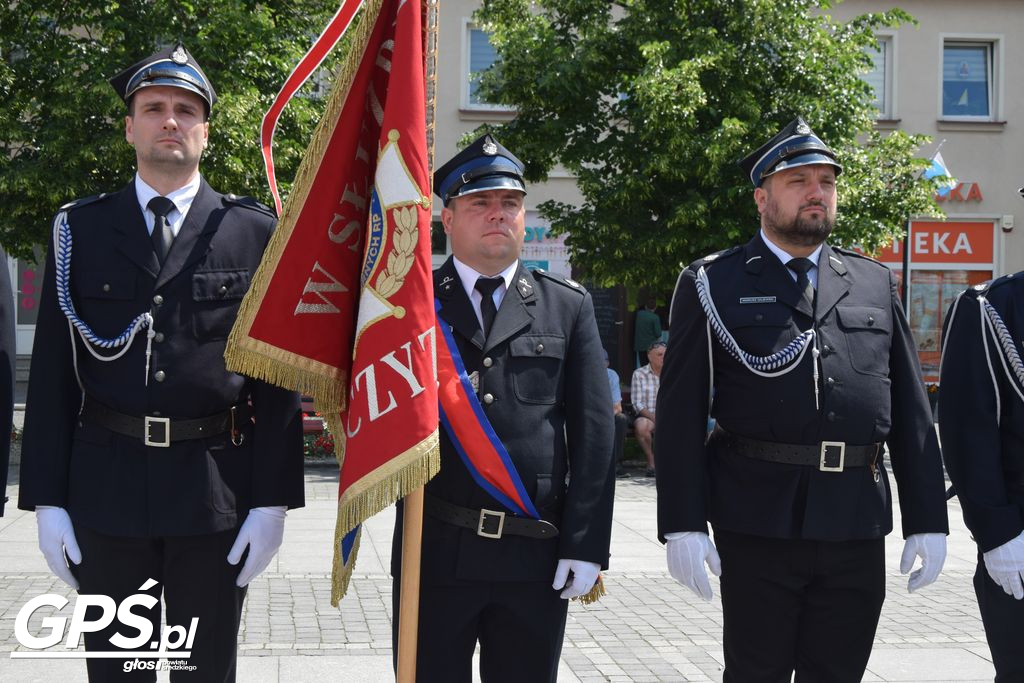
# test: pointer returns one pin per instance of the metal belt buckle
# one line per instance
(164, 422)
(484, 514)
(828, 448)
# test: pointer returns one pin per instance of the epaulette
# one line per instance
(857, 254)
(716, 256)
(564, 281)
(78, 203)
(983, 288)
(249, 203)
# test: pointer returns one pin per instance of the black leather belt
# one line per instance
(488, 523)
(827, 456)
(163, 431)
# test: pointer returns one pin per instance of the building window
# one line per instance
(880, 77)
(968, 79)
(480, 55)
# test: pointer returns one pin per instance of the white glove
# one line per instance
(1005, 565)
(584, 575)
(56, 534)
(931, 548)
(687, 553)
(262, 532)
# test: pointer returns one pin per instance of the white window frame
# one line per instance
(994, 42)
(467, 27)
(887, 41)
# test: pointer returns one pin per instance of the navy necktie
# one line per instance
(486, 287)
(801, 266)
(162, 234)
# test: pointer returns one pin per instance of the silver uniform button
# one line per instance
(488, 362)
(158, 299)
(488, 399)
(160, 376)
(539, 349)
(106, 287)
(223, 290)
(158, 337)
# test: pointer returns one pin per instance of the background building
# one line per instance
(952, 77)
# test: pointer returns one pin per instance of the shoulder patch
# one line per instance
(84, 201)
(249, 203)
(564, 281)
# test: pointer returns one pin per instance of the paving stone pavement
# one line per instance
(648, 628)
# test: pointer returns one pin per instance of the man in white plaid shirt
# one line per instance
(644, 396)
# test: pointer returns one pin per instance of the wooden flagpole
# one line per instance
(412, 526)
(408, 616)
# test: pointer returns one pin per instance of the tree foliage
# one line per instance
(61, 129)
(650, 103)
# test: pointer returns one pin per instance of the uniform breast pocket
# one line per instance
(216, 295)
(868, 333)
(759, 329)
(106, 299)
(536, 364)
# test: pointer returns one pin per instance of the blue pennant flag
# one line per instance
(938, 169)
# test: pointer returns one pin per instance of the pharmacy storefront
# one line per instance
(946, 257)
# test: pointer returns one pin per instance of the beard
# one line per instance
(800, 230)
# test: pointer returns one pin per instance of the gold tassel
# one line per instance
(595, 594)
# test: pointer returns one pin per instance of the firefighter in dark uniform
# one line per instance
(6, 374)
(801, 353)
(532, 345)
(981, 421)
(144, 458)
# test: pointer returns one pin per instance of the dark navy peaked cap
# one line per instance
(483, 165)
(795, 145)
(172, 66)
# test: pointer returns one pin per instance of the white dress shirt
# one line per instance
(182, 199)
(786, 257)
(469, 278)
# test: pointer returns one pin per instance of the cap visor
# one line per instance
(498, 182)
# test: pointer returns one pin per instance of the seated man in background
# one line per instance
(644, 394)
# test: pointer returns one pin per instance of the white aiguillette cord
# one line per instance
(774, 365)
(62, 261)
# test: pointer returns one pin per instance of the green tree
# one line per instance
(650, 103)
(61, 124)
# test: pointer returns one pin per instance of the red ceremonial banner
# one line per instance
(342, 305)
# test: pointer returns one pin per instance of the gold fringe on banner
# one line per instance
(248, 356)
(595, 594)
(392, 480)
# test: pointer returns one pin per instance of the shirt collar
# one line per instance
(182, 197)
(785, 256)
(470, 276)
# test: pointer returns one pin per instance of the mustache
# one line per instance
(820, 205)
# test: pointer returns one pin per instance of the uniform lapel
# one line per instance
(456, 308)
(201, 218)
(513, 315)
(130, 223)
(773, 278)
(833, 282)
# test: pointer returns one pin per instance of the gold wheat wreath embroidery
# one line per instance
(401, 257)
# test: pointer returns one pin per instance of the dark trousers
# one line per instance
(197, 582)
(1003, 617)
(619, 445)
(520, 626)
(809, 607)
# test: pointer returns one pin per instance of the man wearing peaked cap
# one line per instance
(981, 406)
(495, 571)
(152, 468)
(794, 484)
(173, 67)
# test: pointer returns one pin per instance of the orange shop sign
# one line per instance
(945, 242)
